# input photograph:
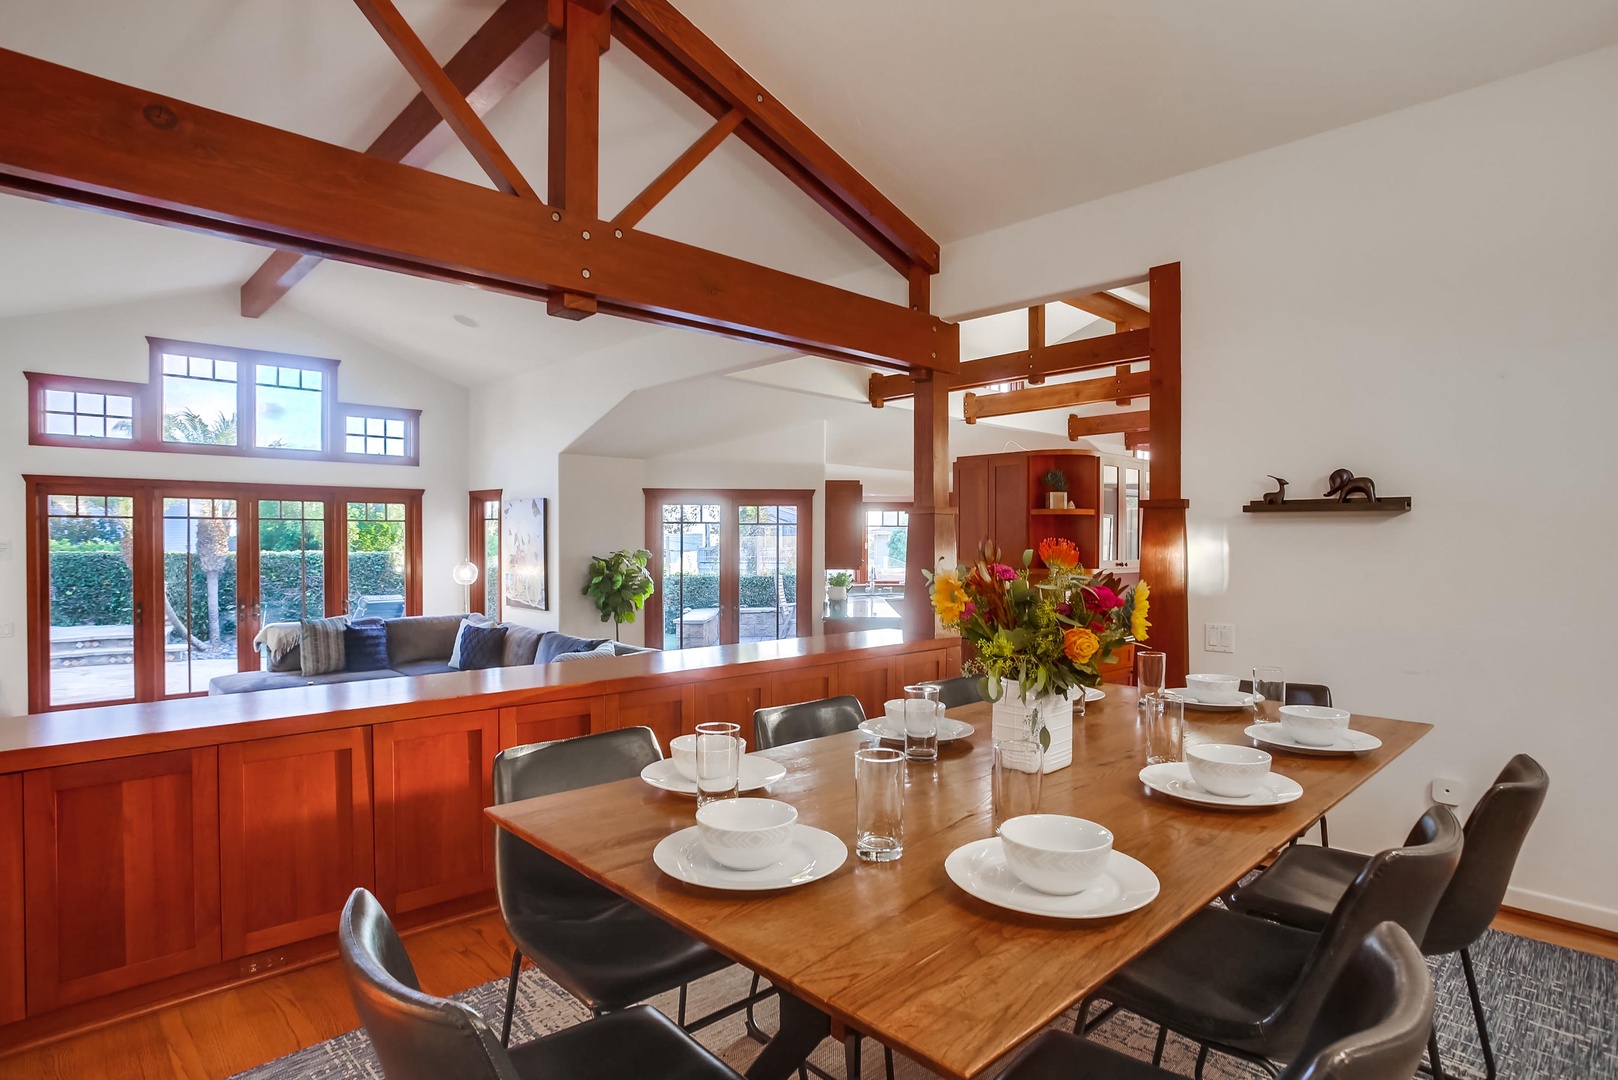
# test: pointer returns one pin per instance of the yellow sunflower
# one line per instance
(949, 598)
(1137, 623)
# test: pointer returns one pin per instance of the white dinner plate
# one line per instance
(1349, 742)
(1094, 693)
(756, 772)
(948, 730)
(980, 869)
(1247, 701)
(1173, 778)
(811, 855)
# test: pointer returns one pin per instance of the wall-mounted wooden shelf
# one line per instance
(1071, 511)
(1388, 504)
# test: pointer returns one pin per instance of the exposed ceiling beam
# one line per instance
(1120, 312)
(505, 50)
(1137, 440)
(666, 40)
(578, 36)
(1057, 396)
(1025, 364)
(446, 97)
(1082, 427)
(678, 170)
(77, 139)
(1036, 337)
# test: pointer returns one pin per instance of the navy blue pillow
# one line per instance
(556, 643)
(365, 645)
(482, 647)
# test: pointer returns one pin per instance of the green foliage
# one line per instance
(702, 591)
(619, 584)
(1055, 480)
(898, 542)
(190, 427)
(376, 536)
(290, 535)
(840, 579)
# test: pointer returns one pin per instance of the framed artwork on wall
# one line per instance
(525, 553)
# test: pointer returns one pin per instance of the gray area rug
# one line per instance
(1553, 1013)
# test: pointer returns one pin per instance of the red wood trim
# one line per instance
(13, 996)
(574, 160)
(475, 548)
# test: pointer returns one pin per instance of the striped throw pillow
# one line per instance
(322, 645)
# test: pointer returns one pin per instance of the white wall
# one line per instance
(1427, 298)
(110, 342)
(605, 513)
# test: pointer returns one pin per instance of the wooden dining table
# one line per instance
(896, 950)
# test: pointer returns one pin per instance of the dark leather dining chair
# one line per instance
(783, 724)
(1251, 988)
(417, 1036)
(1372, 1025)
(1305, 883)
(603, 949)
(962, 690)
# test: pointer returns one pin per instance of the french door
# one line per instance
(730, 566)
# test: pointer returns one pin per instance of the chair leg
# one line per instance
(1325, 837)
(851, 1055)
(682, 1004)
(887, 1059)
(1432, 1054)
(1162, 1040)
(1202, 1059)
(511, 996)
(751, 1022)
(1477, 1012)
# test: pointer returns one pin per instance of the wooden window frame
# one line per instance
(148, 495)
(729, 552)
(475, 553)
(148, 408)
(886, 506)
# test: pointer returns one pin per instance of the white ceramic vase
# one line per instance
(1013, 718)
(837, 593)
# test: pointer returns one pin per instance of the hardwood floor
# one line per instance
(220, 1034)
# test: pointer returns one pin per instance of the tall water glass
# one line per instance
(1151, 668)
(1018, 772)
(921, 722)
(1165, 728)
(719, 762)
(1270, 684)
(879, 803)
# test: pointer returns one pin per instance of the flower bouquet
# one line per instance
(1047, 637)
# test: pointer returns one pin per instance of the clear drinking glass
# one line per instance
(719, 762)
(1151, 668)
(1270, 684)
(921, 723)
(879, 803)
(1018, 772)
(1165, 728)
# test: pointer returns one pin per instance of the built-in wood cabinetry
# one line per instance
(845, 524)
(546, 721)
(13, 990)
(730, 701)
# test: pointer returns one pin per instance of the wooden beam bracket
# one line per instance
(1082, 427)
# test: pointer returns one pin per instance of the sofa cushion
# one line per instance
(321, 645)
(365, 646)
(244, 681)
(422, 637)
(556, 643)
(471, 620)
(521, 644)
(422, 667)
(277, 642)
(604, 649)
(479, 647)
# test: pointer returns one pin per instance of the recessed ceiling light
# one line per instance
(466, 320)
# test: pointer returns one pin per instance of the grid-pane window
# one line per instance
(199, 400)
(886, 534)
(768, 585)
(690, 572)
(291, 560)
(199, 583)
(491, 558)
(375, 436)
(288, 408)
(92, 599)
(94, 416)
(376, 559)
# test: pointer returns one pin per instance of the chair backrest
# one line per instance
(962, 690)
(1299, 693)
(1495, 831)
(785, 724)
(526, 879)
(416, 1036)
(1374, 1022)
(1402, 885)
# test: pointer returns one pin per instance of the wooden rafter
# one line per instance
(678, 170)
(1081, 427)
(1036, 339)
(1058, 396)
(654, 31)
(74, 138)
(1115, 309)
(505, 50)
(1029, 365)
(578, 36)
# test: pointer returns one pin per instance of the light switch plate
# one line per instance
(1219, 637)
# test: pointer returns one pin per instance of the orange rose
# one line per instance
(1080, 644)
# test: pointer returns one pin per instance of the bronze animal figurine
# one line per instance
(1279, 495)
(1344, 483)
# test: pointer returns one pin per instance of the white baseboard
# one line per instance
(1602, 918)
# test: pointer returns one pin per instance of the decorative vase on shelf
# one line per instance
(1056, 500)
(1015, 718)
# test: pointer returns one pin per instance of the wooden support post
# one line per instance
(931, 535)
(575, 127)
(1036, 340)
(1163, 535)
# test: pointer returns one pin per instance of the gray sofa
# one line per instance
(419, 645)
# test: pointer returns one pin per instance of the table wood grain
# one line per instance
(896, 950)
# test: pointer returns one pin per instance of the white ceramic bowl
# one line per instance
(1232, 771)
(1215, 689)
(683, 749)
(1313, 725)
(746, 834)
(1055, 853)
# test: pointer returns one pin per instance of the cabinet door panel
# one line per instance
(869, 680)
(295, 836)
(1009, 504)
(12, 988)
(122, 879)
(663, 710)
(434, 776)
(920, 666)
(729, 701)
(972, 502)
(804, 684)
(549, 720)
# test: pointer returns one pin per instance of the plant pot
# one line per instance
(837, 594)
(1056, 500)
(1014, 718)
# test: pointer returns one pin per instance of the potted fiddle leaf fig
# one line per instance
(620, 585)
(1056, 490)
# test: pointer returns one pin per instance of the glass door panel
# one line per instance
(199, 593)
(291, 561)
(91, 544)
(491, 558)
(376, 560)
(1130, 548)
(1109, 515)
(689, 584)
(768, 585)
